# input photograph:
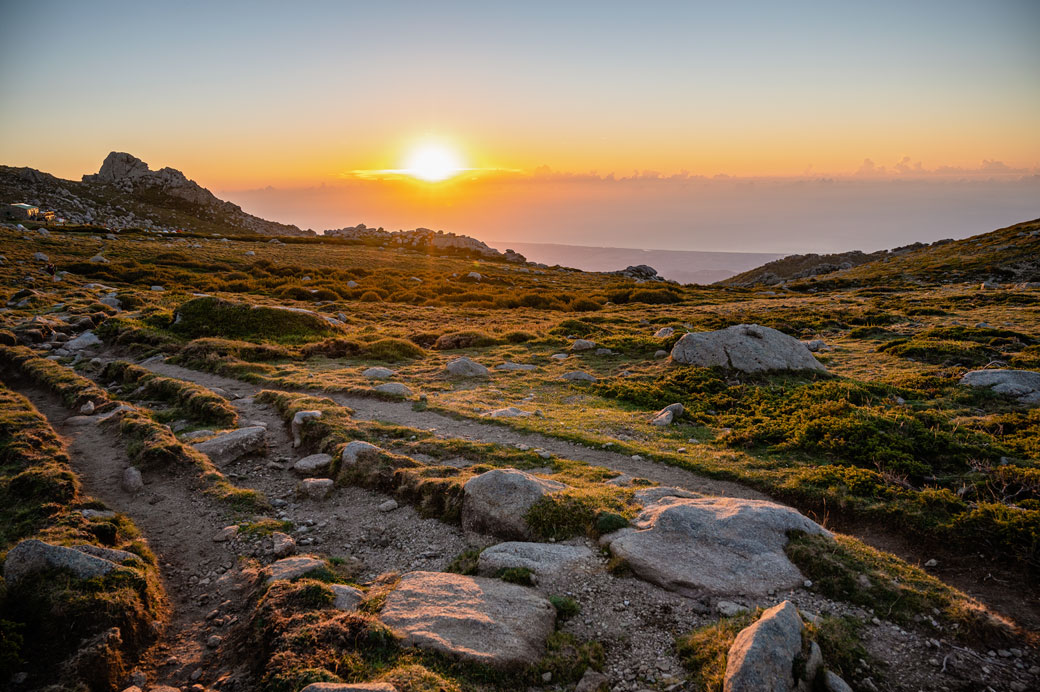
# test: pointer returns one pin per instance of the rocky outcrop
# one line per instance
(229, 446)
(424, 239)
(714, 545)
(764, 655)
(1023, 385)
(496, 502)
(470, 618)
(289, 568)
(745, 347)
(640, 273)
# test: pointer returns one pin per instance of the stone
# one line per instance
(40, 257)
(592, 681)
(347, 597)
(762, 656)
(508, 412)
(583, 345)
(225, 534)
(157, 288)
(298, 421)
(315, 488)
(1023, 385)
(474, 276)
(379, 373)
(313, 464)
(87, 408)
(578, 376)
(474, 619)
(713, 545)
(515, 367)
(496, 501)
(231, 446)
(87, 339)
(660, 353)
(664, 332)
(745, 347)
(351, 451)
(540, 558)
(833, 683)
(729, 608)
(31, 556)
(559, 356)
(667, 415)
(388, 506)
(349, 687)
(393, 389)
(815, 345)
(132, 481)
(464, 367)
(282, 545)
(289, 568)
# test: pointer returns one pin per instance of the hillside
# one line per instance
(1009, 254)
(126, 193)
(230, 463)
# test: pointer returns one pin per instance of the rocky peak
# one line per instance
(119, 166)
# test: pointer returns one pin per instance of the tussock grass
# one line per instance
(194, 400)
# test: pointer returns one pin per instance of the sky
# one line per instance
(575, 122)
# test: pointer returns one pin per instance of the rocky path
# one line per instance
(997, 587)
(179, 521)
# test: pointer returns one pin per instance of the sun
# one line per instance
(432, 162)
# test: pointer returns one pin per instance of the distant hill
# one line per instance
(1009, 254)
(126, 193)
(684, 266)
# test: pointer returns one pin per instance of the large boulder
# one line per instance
(745, 347)
(474, 619)
(87, 339)
(539, 558)
(497, 501)
(289, 568)
(229, 446)
(763, 656)
(31, 556)
(1023, 385)
(465, 367)
(712, 545)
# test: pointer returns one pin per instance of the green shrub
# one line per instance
(209, 317)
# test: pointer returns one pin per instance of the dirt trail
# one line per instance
(1008, 590)
(402, 413)
(179, 521)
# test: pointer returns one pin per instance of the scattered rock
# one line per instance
(833, 683)
(471, 618)
(745, 347)
(315, 488)
(464, 367)
(225, 534)
(667, 415)
(85, 340)
(233, 445)
(713, 545)
(583, 345)
(815, 345)
(132, 481)
(388, 506)
(351, 451)
(664, 332)
(289, 568)
(578, 376)
(349, 687)
(313, 464)
(282, 545)
(379, 373)
(513, 367)
(508, 412)
(540, 558)
(592, 681)
(298, 421)
(496, 502)
(1023, 385)
(87, 408)
(347, 597)
(393, 388)
(729, 608)
(660, 353)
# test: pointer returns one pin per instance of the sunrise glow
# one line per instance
(432, 162)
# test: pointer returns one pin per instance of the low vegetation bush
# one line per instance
(214, 317)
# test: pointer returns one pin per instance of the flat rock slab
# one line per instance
(393, 388)
(515, 367)
(496, 502)
(540, 558)
(313, 464)
(347, 597)
(233, 445)
(378, 373)
(289, 568)
(470, 618)
(713, 545)
(745, 347)
(31, 556)
(1023, 385)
